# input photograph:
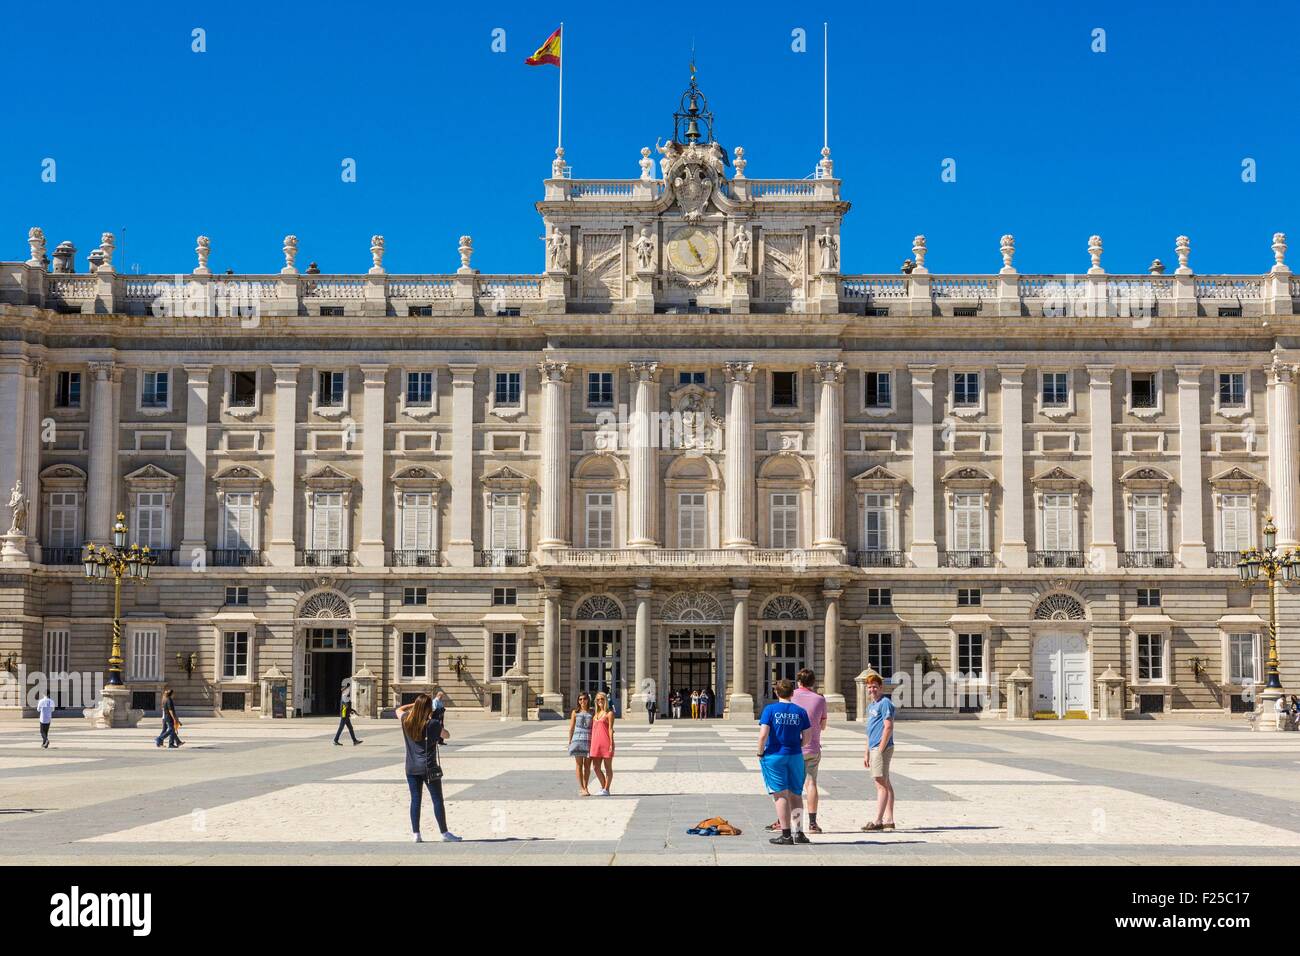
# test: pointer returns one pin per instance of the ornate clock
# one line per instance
(693, 251)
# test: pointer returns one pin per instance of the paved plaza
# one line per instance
(262, 792)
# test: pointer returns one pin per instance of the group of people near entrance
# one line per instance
(697, 703)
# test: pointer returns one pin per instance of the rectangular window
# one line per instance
(966, 389)
(969, 597)
(417, 521)
(234, 655)
(506, 389)
(329, 393)
(243, 389)
(785, 520)
(419, 389)
(1234, 522)
(879, 389)
(970, 656)
(415, 655)
(879, 597)
(1232, 389)
(877, 517)
(967, 522)
(1058, 522)
(238, 517)
(67, 390)
(505, 597)
(1242, 659)
(505, 521)
(505, 650)
(692, 518)
(880, 653)
(1151, 657)
(600, 389)
(144, 658)
(785, 389)
(1143, 390)
(65, 520)
(1148, 597)
(327, 521)
(1148, 523)
(691, 378)
(153, 390)
(1056, 389)
(236, 596)
(600, 519)
(151, 519)
(415, 597)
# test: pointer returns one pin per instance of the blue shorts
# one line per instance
(783, 772)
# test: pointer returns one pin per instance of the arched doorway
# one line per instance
(1060, 659)
(322, 652)
(598, 637)
(691, 651)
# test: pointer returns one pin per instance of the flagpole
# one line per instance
(825, 84)
(559, 123)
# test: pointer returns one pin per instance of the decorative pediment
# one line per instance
(1235, 478)
(328, 478)
(63, 478)
(506, 478)
(239, 474)
(1057, 478)
(878, 476)
(150, 477)
(1145, 474)
(968, 476)
(420, 476)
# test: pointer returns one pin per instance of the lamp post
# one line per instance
(119, 561)
(1271, 565)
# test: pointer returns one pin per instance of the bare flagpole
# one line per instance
(825, 85)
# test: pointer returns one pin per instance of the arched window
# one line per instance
(785, 607)
(1059, 607)
(598, 607)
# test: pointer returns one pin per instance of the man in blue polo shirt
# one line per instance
(880, 749)
(784, 732)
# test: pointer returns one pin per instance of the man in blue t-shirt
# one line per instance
(880, 749)
(784, 732)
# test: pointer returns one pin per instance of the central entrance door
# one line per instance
(327, 664)
(600, 664)
(693, 665)
(1061, 676)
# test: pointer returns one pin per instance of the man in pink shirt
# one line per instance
(806, 696)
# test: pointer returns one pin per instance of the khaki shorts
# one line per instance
(880, 757)
(810, 762)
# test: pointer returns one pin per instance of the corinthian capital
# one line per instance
(738, 371)
(553, 371)
(102, 370)
(831, 373)
(644, 371)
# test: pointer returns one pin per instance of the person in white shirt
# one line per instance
(45, 713)
(1280, 709)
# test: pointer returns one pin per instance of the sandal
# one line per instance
(772, 827)
(873, 827)
(887, 826)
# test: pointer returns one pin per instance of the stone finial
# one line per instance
(1279, 252)
(647, 164)
(1157, 267)
(290, 255)
(36, 240)
(466, 250)
(826, 168)
(918, 251)
(1007, 245)
(558, 165)
(65, 257)
(106, 244)
(1094, 250)
(740, 162)
(95, 259)
(1183, 247)
(202, 249)
(377, 255)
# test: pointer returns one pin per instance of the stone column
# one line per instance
(1015, 550)
(13, 398)
(1282, 443)
(103, 451)
(554, 479)
(738, 524)
(552, 699)
(460, 544)
(1103, 555)
(642, 679)
(194, 530)
(370, 551)
(1191, 548)
(925, 549)
(836, 706)
(740, 705)
(643, 439)
(830, 457)
(281, 552)
(32, 456)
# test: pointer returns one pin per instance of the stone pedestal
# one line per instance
(1267, 719)
(514, 695)
(863, 696)
(14, 551)
(740, 707)
(1110, 695)
(1019, 686)
(364, 693)
(738, 301)
(113, 710)
(275, 693)
(643, 291)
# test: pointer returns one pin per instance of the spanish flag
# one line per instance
(548, 52)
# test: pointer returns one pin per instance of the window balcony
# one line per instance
(61, 555)
(326, 558)
(503, 558)
(426, 558)
(164, 558)
(1146, 559)
(1058, 559)
(792, 559)
(880, 559)
(236, 558)
(968, 559)
(1224, 559)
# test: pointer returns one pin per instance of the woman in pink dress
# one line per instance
(602, 743)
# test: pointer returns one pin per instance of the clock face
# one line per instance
(693, 251)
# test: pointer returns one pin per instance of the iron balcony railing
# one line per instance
(968, 559)
(503, 558)
(424, 558)
(1224, 559)
(1058, 559)
(236, 557)
(1146, 559)
(880, 559)
(326, 558)
(61, 555)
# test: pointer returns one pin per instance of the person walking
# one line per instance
(880, 749)
(602, 743)
(783, 733)
(170, 723)
(345, 714)
(580, 742)
(423, 732)
(651, 704)
(806, 696)
(45, 714)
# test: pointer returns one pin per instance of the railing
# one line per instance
(510, 287)
(1229, 287)
(326, 558)
(1224, 559)
(61, 555)
(420, 287)
(880, 559)
(164, 558)
(1058, 559)
(602, 188)
(1146, 559)
(415, 559)
(236, 557)
(333, 287)
(795, 559)
(780, 188)
(874, 287)
(968, 559)
(502, 558)
(964, 287)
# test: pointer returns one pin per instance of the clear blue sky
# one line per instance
(1052, 142)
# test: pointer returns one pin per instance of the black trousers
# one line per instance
(345, 721)
(45, 733)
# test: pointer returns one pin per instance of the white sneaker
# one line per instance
(450, 837)
(604, 792)
(416, 838)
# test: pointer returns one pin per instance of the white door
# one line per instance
(1061, 675)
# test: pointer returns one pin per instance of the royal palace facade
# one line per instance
(692, 450)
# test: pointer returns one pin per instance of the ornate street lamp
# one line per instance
(1271, 565)
(118, 561)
